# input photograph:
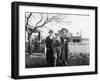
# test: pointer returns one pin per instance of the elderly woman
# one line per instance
(64, 38)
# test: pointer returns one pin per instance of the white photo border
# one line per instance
(54, 70)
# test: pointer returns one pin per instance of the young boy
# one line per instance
(57, 49)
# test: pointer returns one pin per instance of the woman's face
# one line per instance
(64, 31)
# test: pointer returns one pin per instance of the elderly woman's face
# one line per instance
(64, 31)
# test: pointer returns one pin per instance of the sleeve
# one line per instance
(46, 41)
(53, 46)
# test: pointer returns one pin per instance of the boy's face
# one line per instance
(57, 36)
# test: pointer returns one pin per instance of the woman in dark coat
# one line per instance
(49, 46)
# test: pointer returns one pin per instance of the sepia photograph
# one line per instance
(53, 39)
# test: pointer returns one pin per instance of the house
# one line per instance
(76, 39)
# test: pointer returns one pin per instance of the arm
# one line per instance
(61, 44)
(46, 42)
(53, 47)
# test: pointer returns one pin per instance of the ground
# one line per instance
(79, 54)
(39, 60)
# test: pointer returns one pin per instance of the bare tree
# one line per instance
(44, 19)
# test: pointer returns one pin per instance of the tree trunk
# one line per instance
(29, 44)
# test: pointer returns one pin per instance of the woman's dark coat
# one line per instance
(64, 52)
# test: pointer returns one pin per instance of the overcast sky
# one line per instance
(76, 24)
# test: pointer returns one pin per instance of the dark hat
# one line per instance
(50, 31)
(64, 29)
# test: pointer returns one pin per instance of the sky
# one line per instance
(75, 23)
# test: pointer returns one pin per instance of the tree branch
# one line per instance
(29, 15)
(45, 22)
(27, 20)
(39, 20)
(55, 18)
(49, 20)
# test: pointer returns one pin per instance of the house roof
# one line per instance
(76, 37)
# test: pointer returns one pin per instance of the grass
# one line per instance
(33, 61)
(78, 59)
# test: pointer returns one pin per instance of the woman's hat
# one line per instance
(64, 29)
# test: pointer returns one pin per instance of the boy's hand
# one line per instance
(55, 55)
